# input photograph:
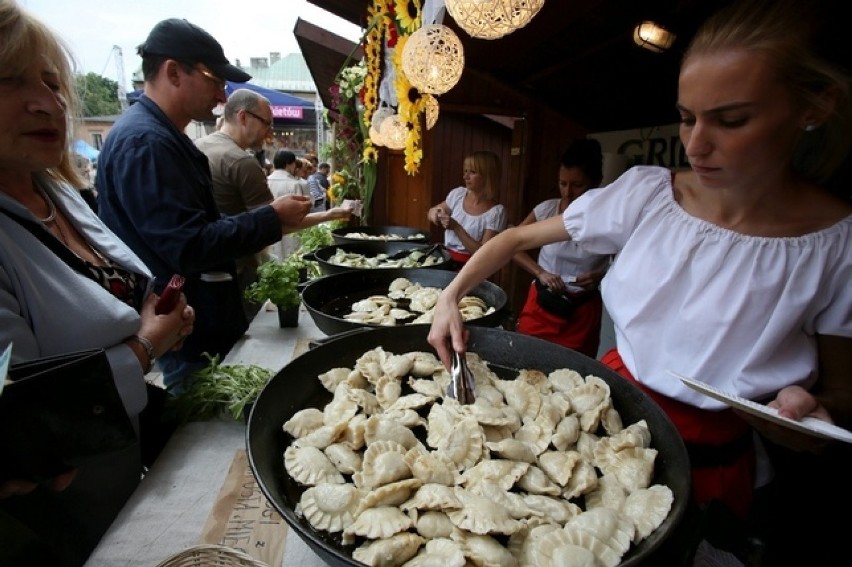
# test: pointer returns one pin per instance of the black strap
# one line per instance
(52, 243)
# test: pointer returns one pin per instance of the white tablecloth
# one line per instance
(168, 511)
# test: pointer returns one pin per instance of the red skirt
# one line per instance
(581, 332)
(708, 433)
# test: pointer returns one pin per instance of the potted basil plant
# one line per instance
(278, 281)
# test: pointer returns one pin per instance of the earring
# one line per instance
(811, 127)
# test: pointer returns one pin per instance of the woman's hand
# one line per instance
(793, 402)
(168, 331)
(437, 214)
(552, 281)
(447, 332)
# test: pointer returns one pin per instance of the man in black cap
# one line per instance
(156, 193)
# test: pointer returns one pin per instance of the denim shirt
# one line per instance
(155, 191)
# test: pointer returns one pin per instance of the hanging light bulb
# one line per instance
(394, 132)
(492, 19)
(433, 59)
(653, 36)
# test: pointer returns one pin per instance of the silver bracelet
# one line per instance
(149, 349)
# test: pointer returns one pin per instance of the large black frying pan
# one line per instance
(331, 297)
(296, 387)
(405, 234)
(372, 249)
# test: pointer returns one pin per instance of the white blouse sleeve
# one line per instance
(603, 219)
(496, 218)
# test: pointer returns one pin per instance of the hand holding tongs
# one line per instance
(462, 387)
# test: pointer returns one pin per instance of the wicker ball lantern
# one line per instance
(379, 116)
(394, 132)
(433, 59)
(432, 110)
(492, 19)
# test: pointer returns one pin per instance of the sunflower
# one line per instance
(370, 154)
(408, 15)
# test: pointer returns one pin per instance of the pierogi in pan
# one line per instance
(539, 471)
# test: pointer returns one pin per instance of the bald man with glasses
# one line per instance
(239, 183)
(156, 190)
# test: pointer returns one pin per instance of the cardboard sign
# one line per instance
(243, 519)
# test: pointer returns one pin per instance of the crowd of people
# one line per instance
(735, 271)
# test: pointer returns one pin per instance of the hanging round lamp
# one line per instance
(394, 132)
(492, 19)
(379, 116)
(433, 59)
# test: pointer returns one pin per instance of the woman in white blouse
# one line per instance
(737, 272)
(469, 215)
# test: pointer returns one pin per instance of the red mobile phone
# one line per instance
(170, 295)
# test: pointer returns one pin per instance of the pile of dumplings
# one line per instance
(355, 260)
(387, 309)
(538, 471)
(389, 236)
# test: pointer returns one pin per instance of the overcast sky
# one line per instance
(245, 29)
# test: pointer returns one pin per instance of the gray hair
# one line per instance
(243, 99)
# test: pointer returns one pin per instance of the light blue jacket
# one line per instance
(48, 308)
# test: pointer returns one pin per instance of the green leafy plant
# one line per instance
(278, 282)
(220, 389)
(312, 238)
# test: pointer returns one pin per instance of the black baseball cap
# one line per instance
(178, 39)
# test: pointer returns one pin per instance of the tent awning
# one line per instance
(81, 148)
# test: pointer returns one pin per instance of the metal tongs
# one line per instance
(462, 387)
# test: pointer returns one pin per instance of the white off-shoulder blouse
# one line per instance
(739, 312)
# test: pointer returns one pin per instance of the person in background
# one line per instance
(155, 190)
(735, 273)
(283, 181)
(318, 184)
(239, 185)
(469, 215)
(565, 268)
(52, 305)
(304, 169)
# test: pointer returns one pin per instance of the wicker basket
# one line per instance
(206, 555)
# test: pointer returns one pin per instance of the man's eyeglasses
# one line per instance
(216, 80)
(267, 123)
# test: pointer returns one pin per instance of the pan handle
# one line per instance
(314, 343)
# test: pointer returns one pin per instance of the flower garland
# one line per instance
(391, 22)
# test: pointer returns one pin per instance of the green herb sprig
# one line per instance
(220, 389)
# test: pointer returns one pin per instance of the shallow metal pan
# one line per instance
(408, 234)
(329, 298)
(296, 387)
(371, 249)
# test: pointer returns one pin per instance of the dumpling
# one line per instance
(330, 507)
(484, 551)
(440, 552)
(392, 494)
(433, 497)
(482, 516)
(378, 428)
(310, 466)
(607, 525)
(432, 467)
(384, 462)
(632, 467)
(379, 523)
(432, 524)
(535, 481)
(303, 422)
(346, 459)
(512, 449)
(464, 444)
(390, 552)
(647, 508)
